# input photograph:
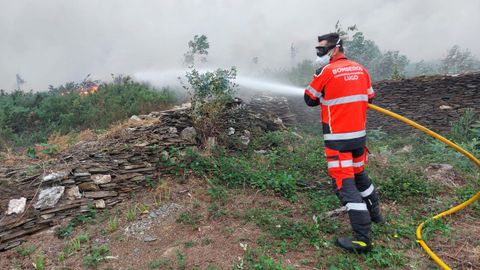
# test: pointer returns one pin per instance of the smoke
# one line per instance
(54, 41)
(164, 78)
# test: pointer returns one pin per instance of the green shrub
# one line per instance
(210, 92)
(462, 129)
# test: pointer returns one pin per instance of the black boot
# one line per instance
(370, 196)
(374, 208)
(360, 221)
(355, 245)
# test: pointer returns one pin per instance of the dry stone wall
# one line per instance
(433, 101)
(104, 172)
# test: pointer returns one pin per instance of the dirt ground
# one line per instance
(211, 241)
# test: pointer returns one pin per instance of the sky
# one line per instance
(50, 42)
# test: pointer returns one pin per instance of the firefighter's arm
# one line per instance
(370, 91)
(314, 92)
(310, 99)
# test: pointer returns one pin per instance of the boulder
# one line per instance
(101, 178)
(73, 193)
(49, 197)
(189, 134)
(54, 176)
(100, 204)
(88, 186)
(16, 206)
(442, 173)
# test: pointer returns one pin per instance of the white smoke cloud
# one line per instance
(54, 41)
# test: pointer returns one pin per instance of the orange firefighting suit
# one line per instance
(343, 89)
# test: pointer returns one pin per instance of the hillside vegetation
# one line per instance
(31, 117)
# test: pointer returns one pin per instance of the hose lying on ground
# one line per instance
(452, 210)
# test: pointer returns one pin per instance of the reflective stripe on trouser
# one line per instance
(357, 209)
(359, 157)
(340, 165)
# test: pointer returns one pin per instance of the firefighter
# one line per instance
(343, 89)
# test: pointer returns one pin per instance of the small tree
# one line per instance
(210, 93)
(198, 47)
(458, 61)
(425, 68)
(20, 82)
(391, 65)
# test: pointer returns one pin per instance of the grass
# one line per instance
(189, 218)
(163, 263)
(215, 210)
(255, 259)
(293, 220)
(75, 245)
(81, 219)
(95, 256)
(39, 262)
(399, 177)
(132, 213)
(26, 250)
(112, 225)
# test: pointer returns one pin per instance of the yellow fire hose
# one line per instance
(449, 211)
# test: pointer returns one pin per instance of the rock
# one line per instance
(16, 206)
(88, 186)
(189, 134)
(231, 131)
(47, 216)
(49, 197)
(149, 238)
(135, 118)
(405, 149)
(170, 252)
(245, 140)
(68, 182)
(100, 194)
(152, 214)
(81, 174)
(141, 144)
(172, 130)
(73, 193)
(182, 106)
(445, 107)
(55, 176)
(100, 204)
(138, 179)
(443, 173)
(261, 152)
(98, 170)
(278, 121)
(101, 178)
